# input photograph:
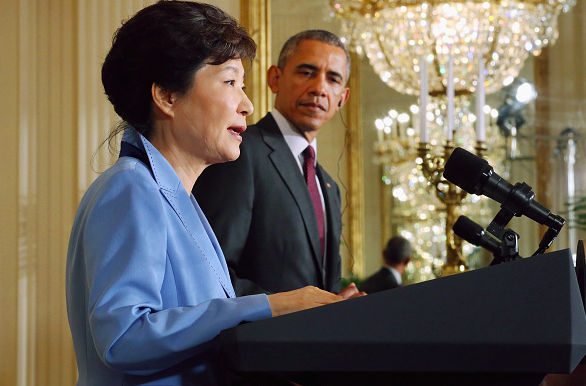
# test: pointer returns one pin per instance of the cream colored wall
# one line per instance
(53, 118)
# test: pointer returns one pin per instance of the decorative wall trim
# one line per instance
(355, 172)
(256, 18)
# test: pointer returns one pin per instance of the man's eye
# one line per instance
(231, 82)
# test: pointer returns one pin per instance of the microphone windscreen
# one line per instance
(465, 170)
(468, 230)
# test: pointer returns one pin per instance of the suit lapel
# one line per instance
(288, 169)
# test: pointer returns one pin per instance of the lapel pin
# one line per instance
(328, 185)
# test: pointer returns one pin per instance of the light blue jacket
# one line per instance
(148, 290)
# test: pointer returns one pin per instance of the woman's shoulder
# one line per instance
(128, 168)
(127, 175)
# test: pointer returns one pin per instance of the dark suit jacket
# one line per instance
(262, 214)
(380, 281)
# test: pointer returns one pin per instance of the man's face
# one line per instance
(311, 86)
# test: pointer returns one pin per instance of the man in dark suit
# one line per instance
(275, 211)
(396, 256)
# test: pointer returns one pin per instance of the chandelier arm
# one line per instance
(440, 194)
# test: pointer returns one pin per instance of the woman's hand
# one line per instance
(301, 299)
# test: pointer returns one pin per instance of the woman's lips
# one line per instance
(236, 131)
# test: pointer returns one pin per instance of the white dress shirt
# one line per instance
(297, 144)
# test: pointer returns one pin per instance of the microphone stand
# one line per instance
(508, 237)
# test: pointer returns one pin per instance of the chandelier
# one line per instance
(396, 35)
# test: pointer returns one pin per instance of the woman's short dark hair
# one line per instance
(165, 44)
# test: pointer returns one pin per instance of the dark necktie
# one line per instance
(309, 172)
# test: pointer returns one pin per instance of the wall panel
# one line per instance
(46, 174)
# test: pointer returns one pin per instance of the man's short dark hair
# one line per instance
(314, 34)
(397, 251)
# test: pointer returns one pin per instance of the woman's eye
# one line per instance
(231, 82)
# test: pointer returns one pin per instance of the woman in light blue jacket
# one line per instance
(148, 290)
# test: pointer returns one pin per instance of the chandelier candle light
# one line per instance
(451, 95)
(423, 133)
(480, 99)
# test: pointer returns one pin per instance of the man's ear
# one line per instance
(164, 100)
(344, 97)
(273, 75)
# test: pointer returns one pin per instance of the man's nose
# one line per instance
(318, 86)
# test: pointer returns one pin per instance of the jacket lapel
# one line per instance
(190, 215)
(287, 167)
(195, 223)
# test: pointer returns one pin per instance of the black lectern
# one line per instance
(508, 324)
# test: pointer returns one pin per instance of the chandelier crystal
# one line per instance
(396, 35)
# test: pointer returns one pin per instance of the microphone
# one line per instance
(476, 176)
(476, 235)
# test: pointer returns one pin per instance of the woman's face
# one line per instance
(208, 120)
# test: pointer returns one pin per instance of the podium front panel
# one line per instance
(521, 317)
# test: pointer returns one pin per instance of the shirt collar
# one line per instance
(162, 170)
(396, 274)
(296, 142)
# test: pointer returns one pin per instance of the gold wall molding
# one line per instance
(355, 171)
(255, 16)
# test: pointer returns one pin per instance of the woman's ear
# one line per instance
(164, 100)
